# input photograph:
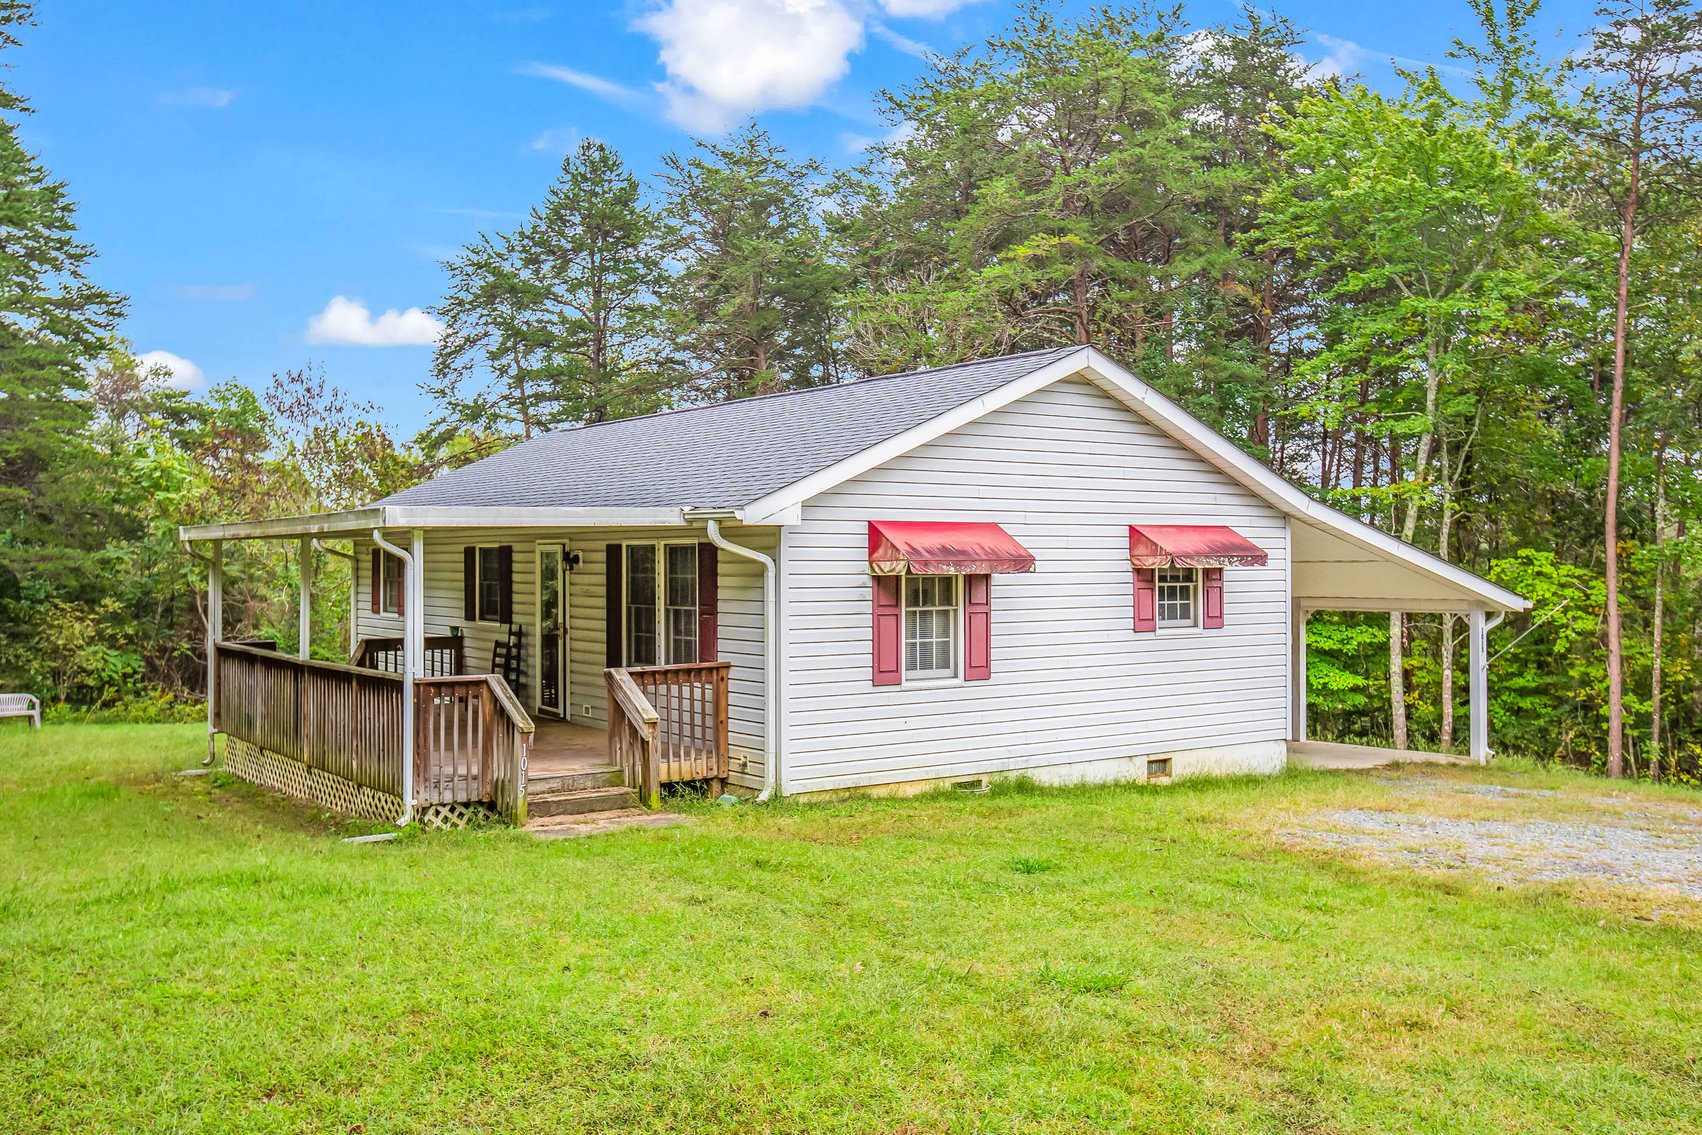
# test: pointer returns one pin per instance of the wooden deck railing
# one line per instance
(442, 655)
(470, 733)
(342, 719)
(669, 723)
(471, 737)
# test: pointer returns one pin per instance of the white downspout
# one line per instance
(771, 657)
(410, 664)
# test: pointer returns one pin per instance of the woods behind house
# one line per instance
(1465, 313)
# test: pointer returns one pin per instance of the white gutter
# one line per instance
(410, 579)
(771, 657)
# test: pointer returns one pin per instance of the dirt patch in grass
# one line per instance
(1518, 835)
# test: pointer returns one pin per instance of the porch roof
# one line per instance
(362, 520)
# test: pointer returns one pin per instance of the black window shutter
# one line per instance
(505, 562)
(708, 603)
(612, 652)
(470, 584)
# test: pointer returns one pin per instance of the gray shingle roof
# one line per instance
(723, 455)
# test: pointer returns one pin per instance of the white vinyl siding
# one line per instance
(740, 617)
(1065, 471)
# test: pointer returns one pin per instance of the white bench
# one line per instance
(21, 705)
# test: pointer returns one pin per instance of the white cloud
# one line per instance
(583, 80)
(210, 98)
(350, 322)
(923, 9)
(726, 59)
(480, 214)
(556, 140)
(1342, 57)
(181, 373)
(217, 293)
(902, 42)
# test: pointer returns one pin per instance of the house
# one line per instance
(1031, 564)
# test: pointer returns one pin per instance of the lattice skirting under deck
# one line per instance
(316, 786)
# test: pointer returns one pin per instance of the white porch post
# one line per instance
(304, 616)
(1478, 662)
(215, 632)
(1297, 697)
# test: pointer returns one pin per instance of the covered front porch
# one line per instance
(426, 723)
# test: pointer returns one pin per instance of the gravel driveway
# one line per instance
(1632, 842)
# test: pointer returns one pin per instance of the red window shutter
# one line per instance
(889, 631)
(977, 627)
(612, 652)
(505, 588)
(377, 588)
(1211, 589)
(401, 586)
(1146, 599)
(708, 603)
(470, 584)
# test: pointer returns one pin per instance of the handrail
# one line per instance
(308, 663)
(474, 736)
(631, 698)
(633, 725)
(669, 723)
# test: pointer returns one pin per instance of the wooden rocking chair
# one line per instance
(505, 656)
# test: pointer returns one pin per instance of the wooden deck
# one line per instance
(559, 747)
(1330, 755)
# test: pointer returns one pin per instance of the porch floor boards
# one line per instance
(560, 748)
(1330, 755)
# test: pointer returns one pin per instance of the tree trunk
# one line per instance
(1409, 528)
(1659, 615)
(1397, 681)
(1610, 524)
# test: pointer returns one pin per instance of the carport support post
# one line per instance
(1478, 660)
(215, 632)
(304, 616)
(1297, 696)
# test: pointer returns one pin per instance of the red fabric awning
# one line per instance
(943, 547)
(1191, 545)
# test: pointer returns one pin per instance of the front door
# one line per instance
(552, 629)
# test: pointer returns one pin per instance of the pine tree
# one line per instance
(751, 306)
(596, 248)
(493, 367)
(55, 327)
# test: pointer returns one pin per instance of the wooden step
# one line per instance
(599, 776)
(579, 801)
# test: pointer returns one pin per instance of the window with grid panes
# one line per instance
(1178, 596)
(930, 625)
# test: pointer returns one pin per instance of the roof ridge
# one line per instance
(806, 390)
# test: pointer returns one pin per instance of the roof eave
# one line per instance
(415, 516)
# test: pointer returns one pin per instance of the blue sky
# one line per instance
(275, 184)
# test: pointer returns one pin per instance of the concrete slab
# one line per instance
(1331, 755)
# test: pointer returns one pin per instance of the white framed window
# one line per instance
(933, 622)
(660, 604)
(488, 583)
(1178, 597)
(389, 583)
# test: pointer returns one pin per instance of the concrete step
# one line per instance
(579, 801)
(596, 823)
(548, 783)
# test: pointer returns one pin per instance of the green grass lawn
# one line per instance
(188, 954)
